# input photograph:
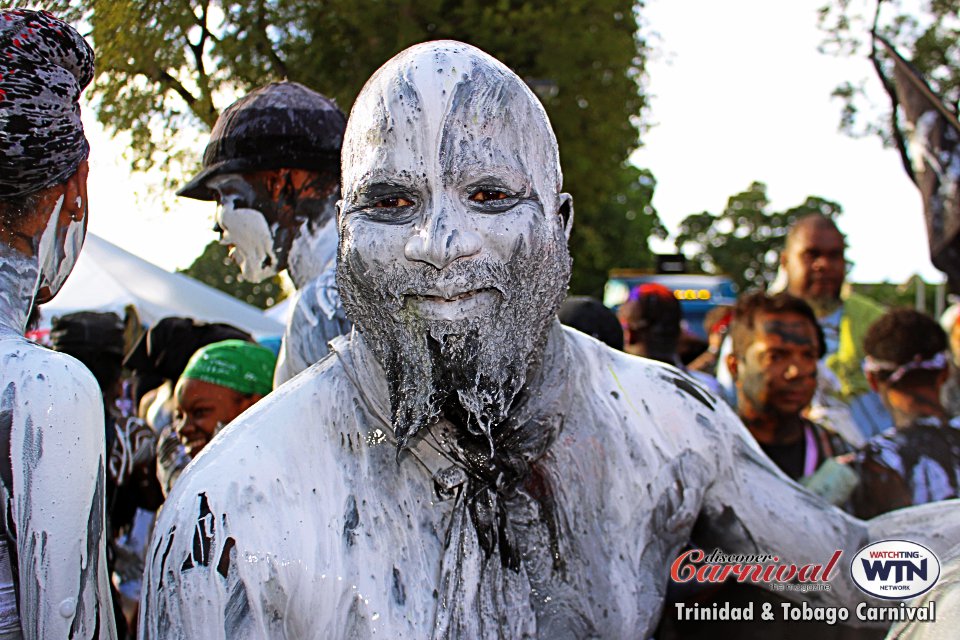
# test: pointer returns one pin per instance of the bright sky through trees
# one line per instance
(739, 93)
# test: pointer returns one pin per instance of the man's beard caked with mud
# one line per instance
(471, 369)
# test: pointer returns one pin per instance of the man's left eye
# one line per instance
(485, 195)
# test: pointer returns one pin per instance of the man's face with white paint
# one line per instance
(244, 226)
(453, 256)
(261, 214)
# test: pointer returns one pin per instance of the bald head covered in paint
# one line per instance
(453, 230)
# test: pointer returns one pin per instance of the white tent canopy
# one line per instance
(107, 278)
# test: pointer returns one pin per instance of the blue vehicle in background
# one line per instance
(697, 293)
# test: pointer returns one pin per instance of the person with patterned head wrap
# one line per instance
(918, 459)
(221, 381)
(53, 572)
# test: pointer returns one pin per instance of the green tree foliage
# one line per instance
(166, 64)
(745, 239)
(899, 295)
(926, 32)
(216, 269)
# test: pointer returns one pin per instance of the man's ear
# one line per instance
(566, 213)
(732, 365)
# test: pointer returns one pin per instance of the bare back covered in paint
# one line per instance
(52, 472)
(461, 466)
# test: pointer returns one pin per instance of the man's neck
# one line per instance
(19, 276)
(823, 307)
(773, 428)
(313, 251)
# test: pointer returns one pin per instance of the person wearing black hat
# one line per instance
(53, 572)
(273, 165)
(588, 315)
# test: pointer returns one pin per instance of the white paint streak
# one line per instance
(248, 232)
(58, 250)
(313, 251)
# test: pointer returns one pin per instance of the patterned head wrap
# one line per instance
(245, 367)
(44, 65)
(936, 362)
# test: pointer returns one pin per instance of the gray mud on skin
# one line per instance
(457, 467)
(51, 460)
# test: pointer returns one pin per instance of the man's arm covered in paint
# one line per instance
(752, 507)
(58, 473)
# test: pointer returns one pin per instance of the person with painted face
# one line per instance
(53, 572)
(462, 466)
(918, 460)
(272, 165)
(776, 345)
(813, 268)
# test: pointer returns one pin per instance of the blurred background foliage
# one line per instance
(215, 268)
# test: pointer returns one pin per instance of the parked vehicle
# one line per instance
(697, 293)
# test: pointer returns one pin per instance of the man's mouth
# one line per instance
(446, 304)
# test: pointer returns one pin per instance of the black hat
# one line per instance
(88, 331)
(281, 125)
(165, 349)
(588, 315)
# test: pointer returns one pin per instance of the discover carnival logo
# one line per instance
(889, 569)
(895, 569)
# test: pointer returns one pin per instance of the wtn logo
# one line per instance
(895, 569)
(903, 570)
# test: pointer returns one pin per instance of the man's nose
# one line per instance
(442, 238)
(800, 368)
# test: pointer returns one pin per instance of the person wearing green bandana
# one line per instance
(220, 382)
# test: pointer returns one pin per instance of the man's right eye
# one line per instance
(393, 203)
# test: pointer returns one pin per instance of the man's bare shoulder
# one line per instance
(634, 375)
(651, 399)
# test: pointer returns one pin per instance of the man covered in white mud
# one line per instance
(53, 572)
(461, 466)
(272, 165)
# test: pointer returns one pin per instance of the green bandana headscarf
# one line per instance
(245, 367)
